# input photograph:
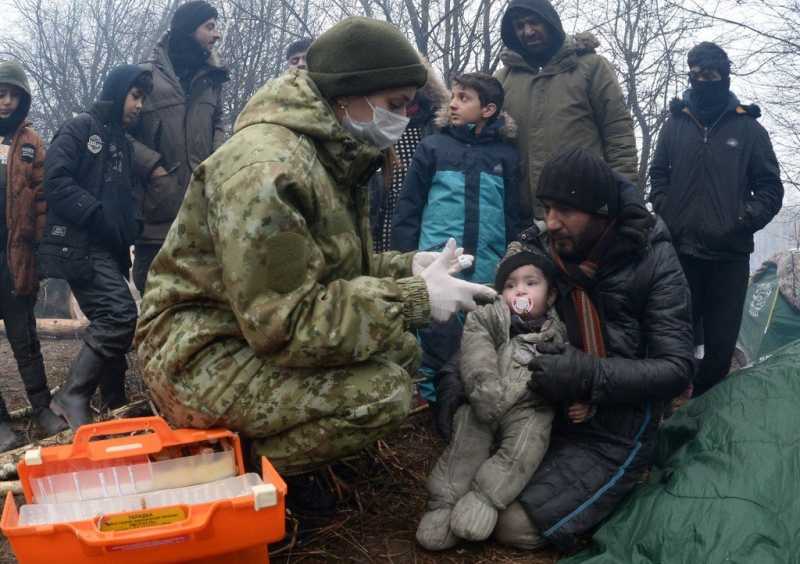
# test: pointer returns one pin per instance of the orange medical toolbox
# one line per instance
(153, 495)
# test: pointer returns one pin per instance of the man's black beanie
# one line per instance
(543, 9)
(579, 179)
(191, 15)
(709, 56)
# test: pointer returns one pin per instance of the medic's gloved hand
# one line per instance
(447, 295)
(424, 259)
(561, 373)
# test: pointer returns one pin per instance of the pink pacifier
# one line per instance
(523, 305)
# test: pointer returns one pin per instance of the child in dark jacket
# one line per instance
(22, 216)
(91, 224)
(462, 183)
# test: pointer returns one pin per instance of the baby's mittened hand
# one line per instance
(579, 412)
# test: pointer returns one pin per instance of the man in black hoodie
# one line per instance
(715, 182)
(561, 94)
(91, 224)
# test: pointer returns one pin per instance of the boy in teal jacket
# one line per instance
(462, 183)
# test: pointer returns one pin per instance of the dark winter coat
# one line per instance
(25, 205)
(715, 187)
(25, 208)
(88, 186)
(643, 302)
(463, 186)
(177, 131)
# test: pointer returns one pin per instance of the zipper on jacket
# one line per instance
(708, 130)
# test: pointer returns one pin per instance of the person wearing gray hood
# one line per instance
(561, 94)
(21, 224)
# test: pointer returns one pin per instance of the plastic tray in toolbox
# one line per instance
(158, 495)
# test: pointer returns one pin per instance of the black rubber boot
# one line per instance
(306, 497)
(43, 416)
(112, 386)
(8, 436)
(72, 402)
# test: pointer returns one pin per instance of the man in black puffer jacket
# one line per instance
(715, 181)
(625, 302)
(91, 224)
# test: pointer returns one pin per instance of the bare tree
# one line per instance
(646, 41)
(68, 47)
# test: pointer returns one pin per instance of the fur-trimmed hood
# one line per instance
(504, 126)
(677, 105)
(580, 43)
(434, 91)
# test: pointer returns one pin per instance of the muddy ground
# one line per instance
(382, 490)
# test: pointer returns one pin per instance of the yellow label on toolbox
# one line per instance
(150, 518)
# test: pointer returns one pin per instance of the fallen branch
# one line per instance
(14, 486)
(57, 328)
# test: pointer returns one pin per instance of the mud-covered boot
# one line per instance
(8, 436)
(43, 416)
(72, 402)
(112, 386)
(306, 497)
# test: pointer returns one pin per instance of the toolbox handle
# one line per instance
(138, 444)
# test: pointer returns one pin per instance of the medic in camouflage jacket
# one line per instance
(266, 311)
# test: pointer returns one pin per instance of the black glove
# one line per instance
(561, 373)
(635, 224)
(450, 395)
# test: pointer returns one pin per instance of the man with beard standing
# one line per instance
(561, 94)
(715, 182)
(181, 123)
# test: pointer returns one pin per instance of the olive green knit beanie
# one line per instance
(360, 55)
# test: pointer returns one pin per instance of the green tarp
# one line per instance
(725, 481)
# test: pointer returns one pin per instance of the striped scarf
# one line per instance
(582, 279)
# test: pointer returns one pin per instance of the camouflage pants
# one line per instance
(302, 418)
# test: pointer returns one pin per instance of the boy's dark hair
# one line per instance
(710, 56)
(489, 89)
(299, 46)
(144, 83)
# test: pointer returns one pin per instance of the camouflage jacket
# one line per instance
(272, 246)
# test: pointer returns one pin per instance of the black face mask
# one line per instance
(710, 94)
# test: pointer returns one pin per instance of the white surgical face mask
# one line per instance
(383, 131)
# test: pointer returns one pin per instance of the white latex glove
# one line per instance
(447, 294)
(424, 259)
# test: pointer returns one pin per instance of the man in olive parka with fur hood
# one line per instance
(561, 94)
